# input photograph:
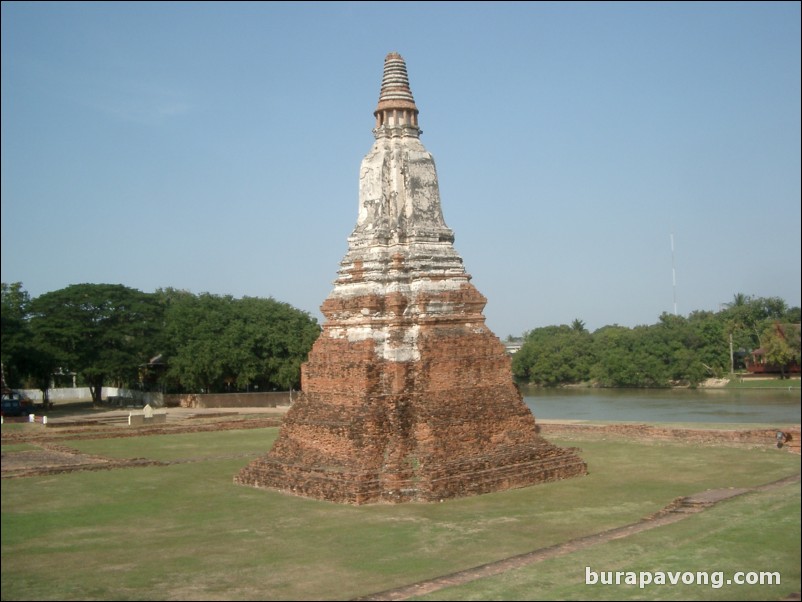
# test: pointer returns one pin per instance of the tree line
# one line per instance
(178, 342)
(675, 351)
(170, 340)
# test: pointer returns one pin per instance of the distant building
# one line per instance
(756, 361)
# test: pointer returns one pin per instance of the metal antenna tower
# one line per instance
(673, 273)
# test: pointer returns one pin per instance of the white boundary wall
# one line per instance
(79, 394)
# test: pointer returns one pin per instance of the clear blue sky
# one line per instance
(215, 147)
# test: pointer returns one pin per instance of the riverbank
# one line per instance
(738, 381)
(760, 382)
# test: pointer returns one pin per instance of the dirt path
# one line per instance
(676, 511)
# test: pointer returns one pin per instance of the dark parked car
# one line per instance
(15, 405)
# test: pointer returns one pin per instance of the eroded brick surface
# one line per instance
(449, 424)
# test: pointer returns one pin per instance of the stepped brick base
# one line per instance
(449, 424)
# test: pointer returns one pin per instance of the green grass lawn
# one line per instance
(758, 532)
(186, 531)
(737, 382)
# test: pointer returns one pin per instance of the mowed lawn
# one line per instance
(185, 531)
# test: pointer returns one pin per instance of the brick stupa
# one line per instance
(406, 394)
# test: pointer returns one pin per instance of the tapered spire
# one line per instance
(396, 113)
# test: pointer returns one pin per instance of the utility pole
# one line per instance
(732, 358)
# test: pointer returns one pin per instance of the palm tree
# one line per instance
(739, 300)
(578, 325)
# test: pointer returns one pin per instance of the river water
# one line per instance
(764, 406)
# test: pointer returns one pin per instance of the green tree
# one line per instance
(781, 346)
(578, 325)
(103, 332)
(26, 359)
(614, 367)
(676, 350)
(555, 355)
(282, 337)
(637, 357)
(739, 300)
(196, 327)
(747, 318)
(14, 333)
(219, 343)
(708, 340)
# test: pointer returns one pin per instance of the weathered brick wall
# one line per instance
(449, 424)
(270, 399)
(761, 437)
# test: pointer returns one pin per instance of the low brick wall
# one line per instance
(766, 437)
(231, 400)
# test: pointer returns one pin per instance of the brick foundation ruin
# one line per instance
(407, 395)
